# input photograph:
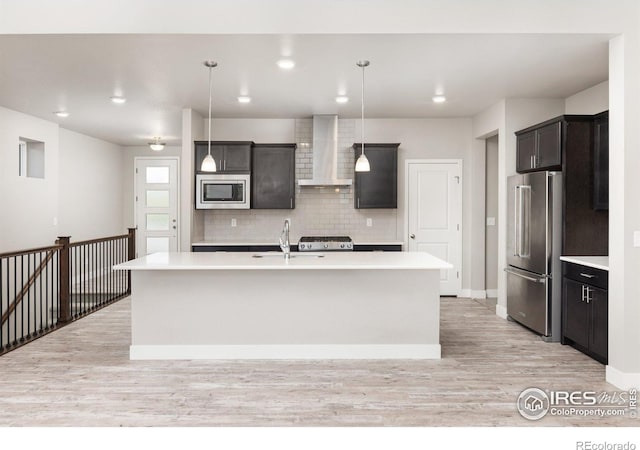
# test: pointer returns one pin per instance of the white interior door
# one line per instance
(434, 216)
(156, 181)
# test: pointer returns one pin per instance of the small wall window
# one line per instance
(30, 158)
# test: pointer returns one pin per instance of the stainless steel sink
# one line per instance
(293, 255)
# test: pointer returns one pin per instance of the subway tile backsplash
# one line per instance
(319, 211)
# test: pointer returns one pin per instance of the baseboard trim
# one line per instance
(465, 293)
(501, 311)
(622, 380)
(492, 293)
(391, 351)
(479, 294)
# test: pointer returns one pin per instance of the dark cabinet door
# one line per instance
(549, 146)
(230, 157)
(237, 158)
(201, 151)
(601, 162)
(273, 178)
(525, 151)
(377, 188)
(599, 337)
(540, 148)
(576, 312)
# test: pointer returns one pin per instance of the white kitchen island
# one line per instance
(343, 305)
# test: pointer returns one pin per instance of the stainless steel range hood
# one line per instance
(325, 153)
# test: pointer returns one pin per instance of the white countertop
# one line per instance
(240, 243)
(597, 262)
(276, 261)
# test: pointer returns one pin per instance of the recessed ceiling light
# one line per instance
(342, 99)
(61, 114)
(439, 99)
(286, 64)
(118, 100)
(244, 99)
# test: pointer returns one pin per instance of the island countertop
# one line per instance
(276, 261)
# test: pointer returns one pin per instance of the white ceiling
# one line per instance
(162, 74)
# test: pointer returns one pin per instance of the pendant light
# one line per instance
(208, 163)
(362, 164)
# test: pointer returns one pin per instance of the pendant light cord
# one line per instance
(362, 127)
(209, 135)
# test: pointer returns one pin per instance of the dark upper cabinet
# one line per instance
(230, 156)
(601, 161)
(273, 177)
(585, 310)
(377, 188)
(539, 148)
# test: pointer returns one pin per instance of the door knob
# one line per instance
(413, 236)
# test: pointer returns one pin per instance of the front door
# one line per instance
(156, 200)
(434, 216)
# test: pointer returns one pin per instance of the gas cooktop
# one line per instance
(325, 243)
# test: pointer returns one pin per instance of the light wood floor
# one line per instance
(81, 375)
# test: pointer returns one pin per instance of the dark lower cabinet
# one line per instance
(585, 310)
(273, 180)
(294, 248)
(377, 188)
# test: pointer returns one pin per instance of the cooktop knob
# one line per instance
(326, 245)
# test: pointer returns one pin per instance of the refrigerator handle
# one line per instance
(526, 277)
(524, 248)
(516, 231)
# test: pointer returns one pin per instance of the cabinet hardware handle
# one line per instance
(531, 161)
(589, 292)
(291, 202)
(583, 296)
(358, 202)
(586, 275)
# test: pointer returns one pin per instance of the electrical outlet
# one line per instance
(55, 221)
(234, 222)
(369, 222)
(491, 221)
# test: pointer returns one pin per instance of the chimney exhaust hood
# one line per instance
(325, 153)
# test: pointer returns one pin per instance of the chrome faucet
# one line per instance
(284, 243)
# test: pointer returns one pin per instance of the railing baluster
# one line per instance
(29, 257)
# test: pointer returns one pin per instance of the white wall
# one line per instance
(28, 206)
(90, 204)
(590, 101)
(191, 222)
(491, 210)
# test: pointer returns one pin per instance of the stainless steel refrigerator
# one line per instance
(534, 228)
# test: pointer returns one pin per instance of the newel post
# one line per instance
(131, 255)
(64, 312)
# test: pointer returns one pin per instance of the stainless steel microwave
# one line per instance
(223, 191)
